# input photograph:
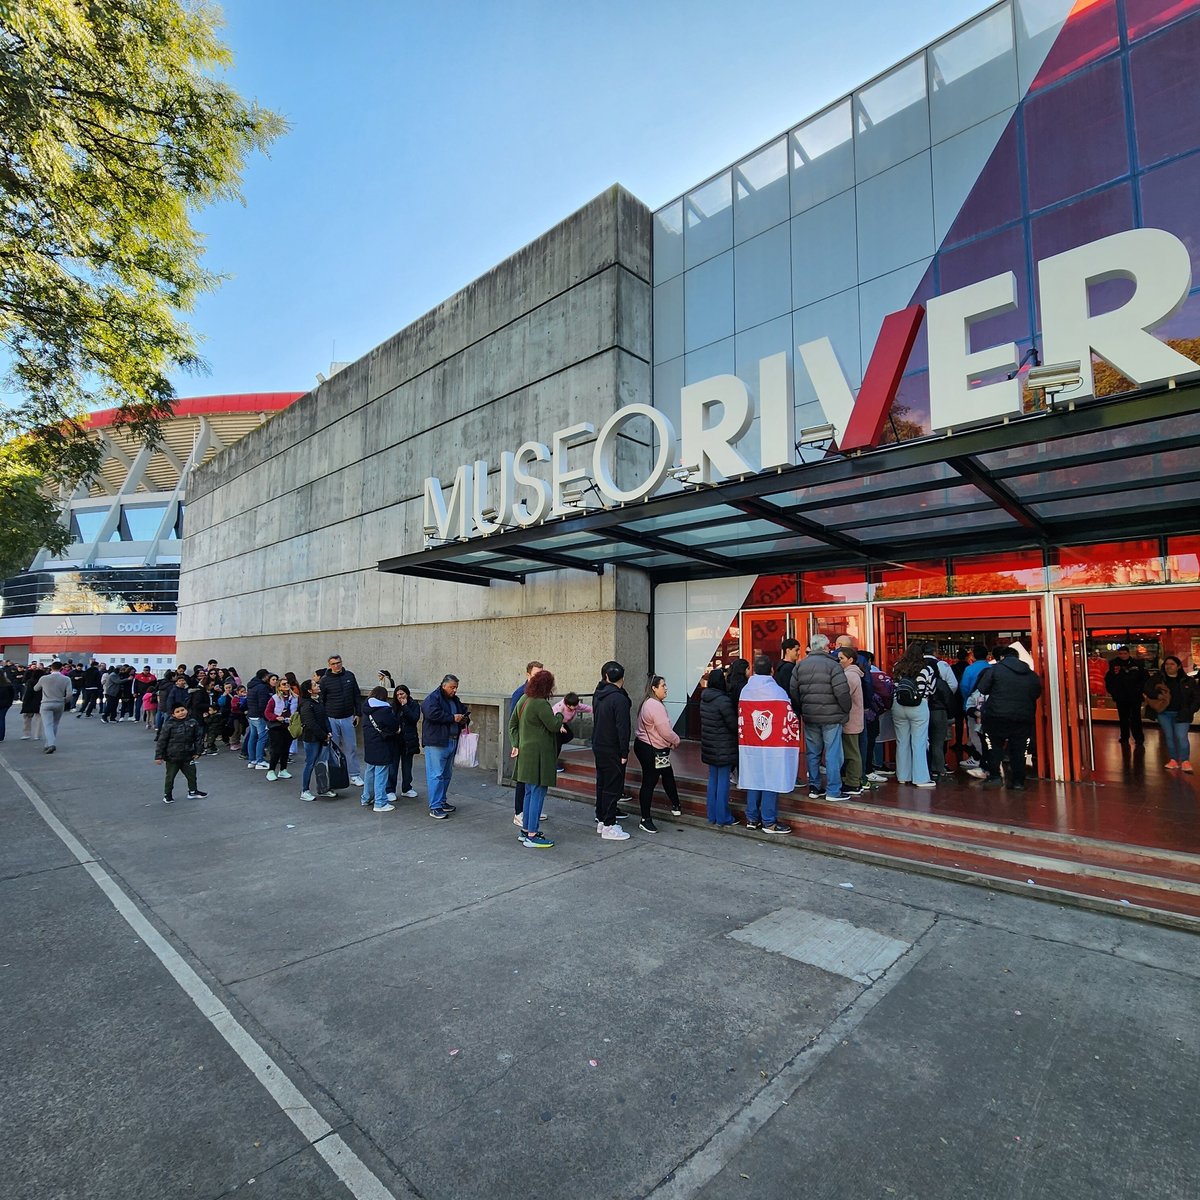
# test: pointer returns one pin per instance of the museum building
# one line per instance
(926, 364)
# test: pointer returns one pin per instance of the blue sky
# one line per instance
(430, 141)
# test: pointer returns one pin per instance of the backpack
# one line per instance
(943, 697)
(907, 692)
(883, 689)
(295, 725)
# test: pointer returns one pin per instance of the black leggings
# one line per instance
(651, 775)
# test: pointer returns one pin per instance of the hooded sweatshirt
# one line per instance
(1012, 689)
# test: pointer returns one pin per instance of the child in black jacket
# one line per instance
(179, 744)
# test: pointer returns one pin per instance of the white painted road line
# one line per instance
(359, 1179)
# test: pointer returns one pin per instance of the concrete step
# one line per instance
(1158, 885)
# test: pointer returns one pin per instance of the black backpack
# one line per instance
(907, 693)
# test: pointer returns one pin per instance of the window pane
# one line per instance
(770, 590)
(668, 319)
(824, 250)
(976, 180)
(143, 521)
(668, 241)
(1183, 560)
(1087, 117)
(909, 582)
(1110, 564)
(842, 586)
(86, 523)
(822, 157)
(761, 191)
(1144, 16)
(763, 277)
(668, 379)
(836, 319)
(891, 119)
(1090, 32)
(1169, 202)
(708, 301)
(1166, 100)
(972, 74)
(1017, 571)
(895, 217)
(708, 221)
(982, 259)
(715, 359)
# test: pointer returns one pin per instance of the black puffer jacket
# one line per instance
(819, 691)
(410, 715)
(718, 729)
(610, 720)
(340, 695)
(1012, 689)
(313, 721)
(178, 741)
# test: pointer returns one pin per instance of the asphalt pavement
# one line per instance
(248, 994)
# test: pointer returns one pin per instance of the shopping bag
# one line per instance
(320, 777)
(339, 776)
(467, 754)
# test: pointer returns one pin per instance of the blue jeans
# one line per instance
(342, 729)
(912, 742)
(829, 739)
(312, 751)
(439, 766)
(761, 806)
(256, 739)
(535, 797)
(375, 785)
(1175, 736)
(718, 796)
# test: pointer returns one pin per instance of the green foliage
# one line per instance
(28, 517)
(114, 129)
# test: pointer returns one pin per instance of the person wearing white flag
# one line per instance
(768, 747)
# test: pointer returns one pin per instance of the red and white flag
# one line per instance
(768, 737)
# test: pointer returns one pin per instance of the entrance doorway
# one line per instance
(764, 629)
(951, 625)
(1153, 624)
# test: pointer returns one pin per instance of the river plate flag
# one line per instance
(768, 737)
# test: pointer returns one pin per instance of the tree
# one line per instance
(114, 129)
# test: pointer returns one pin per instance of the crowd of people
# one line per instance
(832, 703)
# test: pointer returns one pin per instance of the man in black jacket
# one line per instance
(91, 690)
(1012, 690)
(1125, 682)
(610, 744)
(342, 699)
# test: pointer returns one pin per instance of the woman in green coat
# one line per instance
(533, 730)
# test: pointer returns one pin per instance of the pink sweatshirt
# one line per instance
(567, 712)
(654, 726)
(854, 677)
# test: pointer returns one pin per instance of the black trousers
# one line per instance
(610, 786)
(91, 697)
(939, 722)
(1129, 713)
(651, 775)
(998, 734)
(110, 707)
(173, 768)
(278, 740)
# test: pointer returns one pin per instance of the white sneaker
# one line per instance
(411, 793)
(271, 776)
(356, 780)
(599, 826)
(518, 821)
(876, 777)
(262, 766)
(977, 772)
(391, 797)
(930, 784)
(614, 833)
(385, 808)
(307, 796)
(284, 775)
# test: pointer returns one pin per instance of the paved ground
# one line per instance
(692, 1014)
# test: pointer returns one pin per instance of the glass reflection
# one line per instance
(891, 119)
(708, 220)
(822, 157)
(761, 190)
(972, 73)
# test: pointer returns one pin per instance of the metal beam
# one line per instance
(997, 493)
(802, 525)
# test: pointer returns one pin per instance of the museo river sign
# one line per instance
(537, 480)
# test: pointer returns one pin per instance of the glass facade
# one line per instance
(1037, 127)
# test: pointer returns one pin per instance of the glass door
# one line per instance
(1077, 706)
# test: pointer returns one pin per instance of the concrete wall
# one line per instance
(283, 531)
